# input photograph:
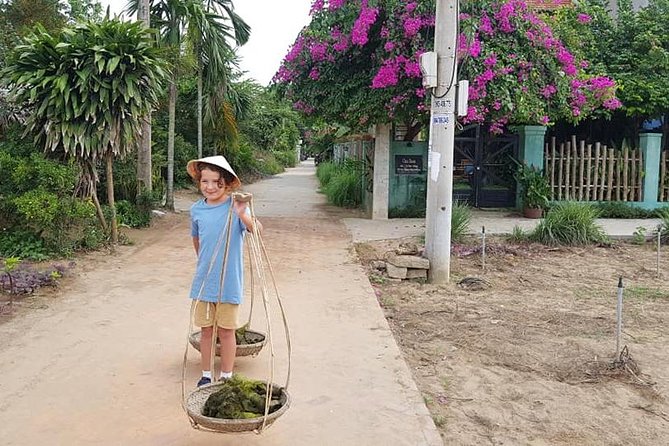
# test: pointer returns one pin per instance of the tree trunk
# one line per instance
(110, 198)
(199, 107)
(169, 200)
(98, 210)
(144, 168)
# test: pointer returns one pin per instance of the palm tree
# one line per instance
(86, 92)
(144, 168)
(201, 20)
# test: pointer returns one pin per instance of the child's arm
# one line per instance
(196, 245)
(249, 222)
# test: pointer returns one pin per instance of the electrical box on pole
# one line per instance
(442, 137)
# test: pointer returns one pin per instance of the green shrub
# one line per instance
(133, 215)
(268, 165)
(518, 235)
(325, 171)
(61, 222)
(570, 223)
(620, 209)
(663, 214)
(286, 159)
(461, 217)
(23, 244)
(344, 188)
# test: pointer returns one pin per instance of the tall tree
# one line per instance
(173, 19)
(86, 91)
(144, 167)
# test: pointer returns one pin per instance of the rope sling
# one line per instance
(259, 266)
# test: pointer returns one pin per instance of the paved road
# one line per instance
(101, 363)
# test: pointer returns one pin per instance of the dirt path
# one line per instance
(101, 362)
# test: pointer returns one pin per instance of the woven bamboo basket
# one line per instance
(195, 405)
(255, 342)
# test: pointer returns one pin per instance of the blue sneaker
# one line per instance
(203, 381)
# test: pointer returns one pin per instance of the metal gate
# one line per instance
(483, 167)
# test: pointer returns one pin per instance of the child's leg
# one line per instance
(204, 318)
(226, 315)
(205, 347)
(228, 348)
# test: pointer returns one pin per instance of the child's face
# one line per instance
(212, 186)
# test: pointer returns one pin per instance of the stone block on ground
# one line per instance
(408, 262)
(413, 273)
(395, 272)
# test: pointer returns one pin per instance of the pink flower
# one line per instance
(584, 19)
(412, 26)
(387, 75)
(475, 48)
(389, 46)
(362, 24)
(335, 4)
(314, 74)
(612, 103)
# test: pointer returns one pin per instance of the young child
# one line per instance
(209, 217)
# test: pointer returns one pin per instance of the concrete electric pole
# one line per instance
(442, 134)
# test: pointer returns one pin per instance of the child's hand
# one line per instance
(240, 208)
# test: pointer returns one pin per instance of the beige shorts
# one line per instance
(225, 314)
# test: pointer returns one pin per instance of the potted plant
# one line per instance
(534, 190)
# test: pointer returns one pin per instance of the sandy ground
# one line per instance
(523, 357)
(99, 361)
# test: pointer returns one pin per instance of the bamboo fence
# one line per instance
(586, 172)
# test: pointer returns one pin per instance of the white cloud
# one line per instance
(274, 27)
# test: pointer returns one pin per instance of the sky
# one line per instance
(274, 27)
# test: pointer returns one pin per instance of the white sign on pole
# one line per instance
(443, 106)
(441, 119)
(434, 165)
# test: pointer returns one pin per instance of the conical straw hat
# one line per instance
(217, 160)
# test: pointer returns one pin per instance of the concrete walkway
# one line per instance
(100, 363)
(495, 222)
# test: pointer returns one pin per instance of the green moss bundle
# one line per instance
(244, 337)
(240, 398)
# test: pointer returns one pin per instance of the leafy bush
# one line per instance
(26, 278)
(345, 187)
(461, 216)
(286, 159)
(620, 209)
(23, 244)
(570, 223)
(64, 224)
(325, 171)
(132, 215)
(664, 225)
(518, 235)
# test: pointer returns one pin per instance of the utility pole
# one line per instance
(442, 135)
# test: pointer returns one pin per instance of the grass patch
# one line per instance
(646, 293)
(571, 224)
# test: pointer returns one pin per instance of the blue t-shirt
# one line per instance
(209, 224)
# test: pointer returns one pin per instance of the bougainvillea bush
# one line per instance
(356, 63)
